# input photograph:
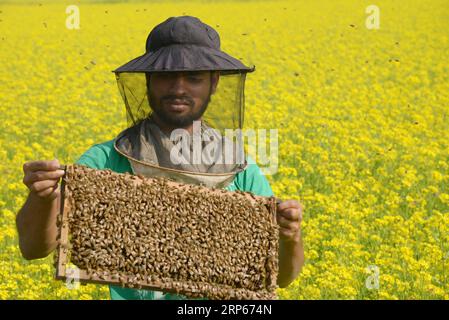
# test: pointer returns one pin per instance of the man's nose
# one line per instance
(179, 85)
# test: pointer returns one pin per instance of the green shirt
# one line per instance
(104, 156)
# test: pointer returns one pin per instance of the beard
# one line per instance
(178, 120)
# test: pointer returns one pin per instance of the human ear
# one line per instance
(147, 76)
(214, 77)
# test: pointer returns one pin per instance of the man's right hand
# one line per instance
(42, 177)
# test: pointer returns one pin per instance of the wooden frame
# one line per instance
(63, 250)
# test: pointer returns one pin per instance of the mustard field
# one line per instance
(362, 116)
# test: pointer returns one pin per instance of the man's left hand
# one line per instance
(289, 217)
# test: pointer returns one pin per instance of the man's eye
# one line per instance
(195, 79)
(164, 75)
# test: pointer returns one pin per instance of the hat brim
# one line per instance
(182, 57)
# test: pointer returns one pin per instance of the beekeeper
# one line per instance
(181, 97)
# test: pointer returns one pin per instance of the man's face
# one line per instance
(179, 98)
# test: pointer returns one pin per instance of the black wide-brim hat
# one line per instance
(184, 44)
